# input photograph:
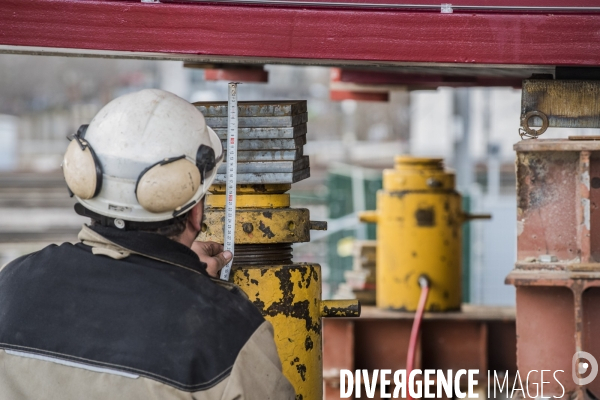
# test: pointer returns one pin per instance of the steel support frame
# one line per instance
(557, 274)
(297, 35)
(477, 338)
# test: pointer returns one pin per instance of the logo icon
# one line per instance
(579, 368)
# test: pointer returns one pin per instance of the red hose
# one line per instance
(414, 333)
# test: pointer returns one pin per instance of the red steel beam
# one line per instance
(318, 34)
(420, 81)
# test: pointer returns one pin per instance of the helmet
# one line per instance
(145, 157)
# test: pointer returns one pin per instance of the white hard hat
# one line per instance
(145, 157)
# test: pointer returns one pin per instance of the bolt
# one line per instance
(247, 227)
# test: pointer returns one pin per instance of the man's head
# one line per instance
(145, 162)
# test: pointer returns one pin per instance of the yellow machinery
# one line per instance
(287, 293)
(419, 219)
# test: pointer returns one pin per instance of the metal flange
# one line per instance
(256, 226)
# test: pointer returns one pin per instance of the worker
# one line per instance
(134, 310)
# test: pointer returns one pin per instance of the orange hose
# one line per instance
(414, 333)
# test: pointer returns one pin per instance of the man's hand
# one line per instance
(213, 255)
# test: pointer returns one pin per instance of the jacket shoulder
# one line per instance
(137, 314)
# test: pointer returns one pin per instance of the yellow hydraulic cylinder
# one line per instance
(290, 298)
(419, 218)
(288, 294)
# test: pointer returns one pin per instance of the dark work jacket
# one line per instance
(131, 315)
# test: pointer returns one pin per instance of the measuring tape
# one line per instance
(231, 175)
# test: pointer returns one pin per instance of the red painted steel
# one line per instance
(339, 95)
(303, 33)
(237, 75)
(420, 81)
(546, 335)
(478, 337)
(470, 3)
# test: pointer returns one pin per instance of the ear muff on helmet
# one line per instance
(168, 185)
(81, 168)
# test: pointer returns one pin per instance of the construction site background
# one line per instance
(44, 99)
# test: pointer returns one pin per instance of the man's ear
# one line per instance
(195, 216)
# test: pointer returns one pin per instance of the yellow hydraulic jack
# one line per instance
(287, 293)
(419, 229)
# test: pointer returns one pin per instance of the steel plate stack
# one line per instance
(271, 138)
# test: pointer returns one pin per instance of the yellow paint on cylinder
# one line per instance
(259, 225)
(419, 217)
(289, 296)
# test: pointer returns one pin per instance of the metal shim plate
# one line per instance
(254, 108)
(265, 133)
(269, 144)
(270, 155)
(266, 178)
(259, 122)
(268, 166)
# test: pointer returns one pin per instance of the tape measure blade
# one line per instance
(231, 175)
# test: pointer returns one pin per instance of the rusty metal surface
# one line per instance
(594, 201)
(558, 188)
(591, 327)
(556, 145)
(582, 206)
(552, 278)
(566, 103)
(546, 198)
(546, 334)
(557, 274)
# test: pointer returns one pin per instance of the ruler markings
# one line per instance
(232, 140)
